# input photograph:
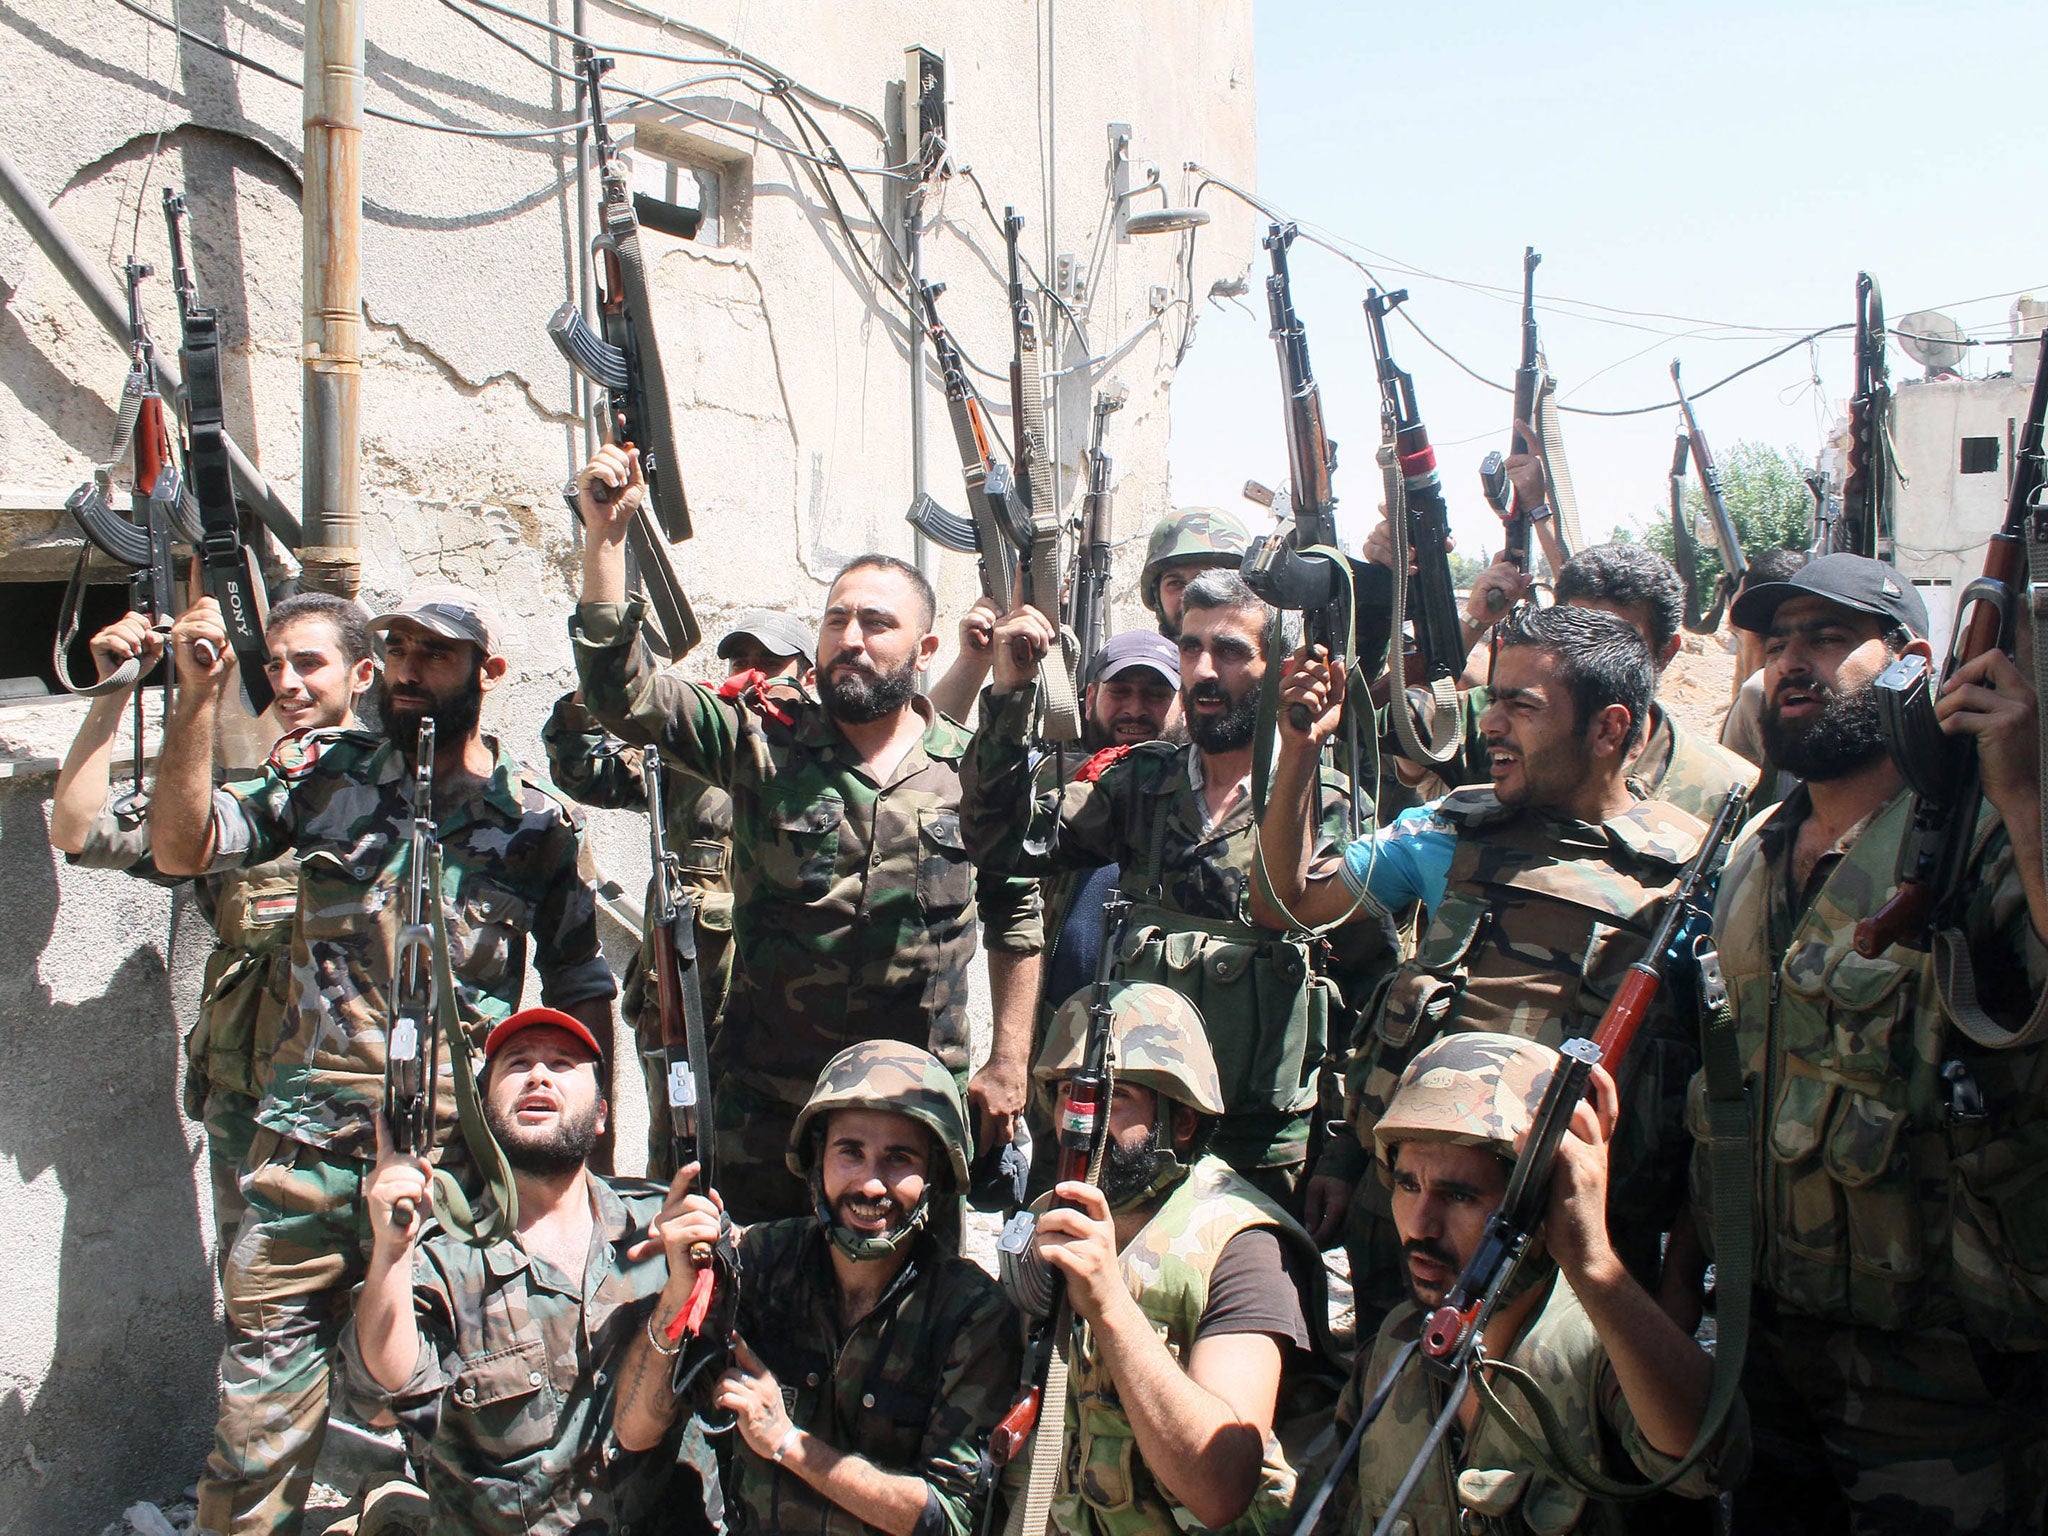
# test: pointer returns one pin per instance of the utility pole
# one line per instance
(333, 215)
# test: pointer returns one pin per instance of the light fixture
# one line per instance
(1167, 220)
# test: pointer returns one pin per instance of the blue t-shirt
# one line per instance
(1407, 860)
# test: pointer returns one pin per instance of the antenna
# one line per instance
(1932, 340)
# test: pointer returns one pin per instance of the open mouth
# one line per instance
(1795, 701)
(537, 1106)
(1428, 1274)
(868, 1215)
(1500, 762)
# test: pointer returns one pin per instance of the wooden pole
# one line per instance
(333, 215)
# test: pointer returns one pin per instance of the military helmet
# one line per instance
(1473, 1088)
(887, 1075)
(1192, 536)
(1157, 1041)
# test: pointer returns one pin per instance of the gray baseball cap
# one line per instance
(1137, 648)
(780, 634)
(450, 611)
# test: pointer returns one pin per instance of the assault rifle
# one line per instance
(1452, 1343)
(1727, 543)
(1493, 476)
(620, 356)
(1942, 770)
(1865, 527)
(226, 569)
(1088, 593)
(1037, 1417)
(672, 938)
(997, 524)
(1420, 524)
(412, 1049)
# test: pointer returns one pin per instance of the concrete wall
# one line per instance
(789, 371)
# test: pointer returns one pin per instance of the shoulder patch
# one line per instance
(1473, 806)
(1093, 769)
(297, 751)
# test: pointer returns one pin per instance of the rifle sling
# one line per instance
(1446, 727)
(1056, 671)
(224, 561)
(123, 677)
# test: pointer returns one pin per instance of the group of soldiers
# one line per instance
(1325, 1036)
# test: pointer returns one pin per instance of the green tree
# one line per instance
(1768, 501)
(1464, 571)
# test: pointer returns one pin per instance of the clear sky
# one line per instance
(1721, 172)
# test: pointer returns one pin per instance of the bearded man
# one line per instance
(854, 903)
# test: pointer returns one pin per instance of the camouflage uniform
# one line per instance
(1188, 883)
(509, 1408)
(593, 769)
(1540, 919)
(241, 999)
(854, 904)
(1898, 1165)
(341, 801)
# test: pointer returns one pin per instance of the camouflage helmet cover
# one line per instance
(1473, 1088)
(1157, 1041)
(1191, 536)
(891, 1076)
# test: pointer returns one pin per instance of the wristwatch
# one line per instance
(1541, 512)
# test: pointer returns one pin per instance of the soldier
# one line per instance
(1895, 1369)
(1191, 1282)
(1177, 821)
(1183, 545)
(499, 1362)
(869, 1365)
(854, 903)
(320, 664)
(341, 801)
(1628, 1388)
(1742, 732)
(1540, 891)
(594, 767)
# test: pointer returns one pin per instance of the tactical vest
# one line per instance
(1104, 1487)
(1540, 919)
(246, 981)
(1902, 1171)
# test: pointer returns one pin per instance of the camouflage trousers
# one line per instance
(230, 1120)
(303, 1247)
(751, 1117)
(1891, 1434)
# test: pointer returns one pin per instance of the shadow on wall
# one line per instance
(125, 1407)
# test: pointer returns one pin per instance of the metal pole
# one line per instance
(921, 553)
(111, 310)
(580, 388)
(333, 215)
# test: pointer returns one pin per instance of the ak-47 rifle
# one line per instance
(1493, 476)
(412, 1048)
(1865, 527)
(998, 524)
(1727, 542)
(1088, 593)
(228, 572)
(1037, 1417)
(707, 1316)
(621, 357)
(1421, 527)
(1451, 1345)
(1942, 769)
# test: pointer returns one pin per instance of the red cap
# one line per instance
(528, 1018)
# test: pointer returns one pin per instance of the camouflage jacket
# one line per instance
(593, 768)
(854, 904)
(1104, 1487)
(914, 1387)
(341, 800)
(509, 1408)
(1540, 919)
(247, 979)
(1490, 1487)
(1189, 884)
(1897, 1163)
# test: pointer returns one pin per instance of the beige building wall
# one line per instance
(788, 365)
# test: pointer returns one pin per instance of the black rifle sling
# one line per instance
(224, 562)
(671, 508)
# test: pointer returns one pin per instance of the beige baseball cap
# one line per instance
(451, 611)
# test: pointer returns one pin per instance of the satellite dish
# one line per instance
(1932, 340)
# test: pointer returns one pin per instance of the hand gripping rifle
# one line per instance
(1943, 770)
(412, 1049)
(1420, 524)
(1087, 614)
(1865, 526)
(1493, 475)
(1727, 542)
(1451, 1346)
(226, 568)
(620, 356)
(707, 1317)
(1038, 1417)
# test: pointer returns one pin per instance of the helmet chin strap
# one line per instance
(860, 1246)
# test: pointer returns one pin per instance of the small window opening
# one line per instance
(1980, 455)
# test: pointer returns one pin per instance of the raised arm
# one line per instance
(953, 694)
(1301, 894)
(181, 830)
(87, 775)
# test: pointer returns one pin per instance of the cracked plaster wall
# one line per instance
(790, 383)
